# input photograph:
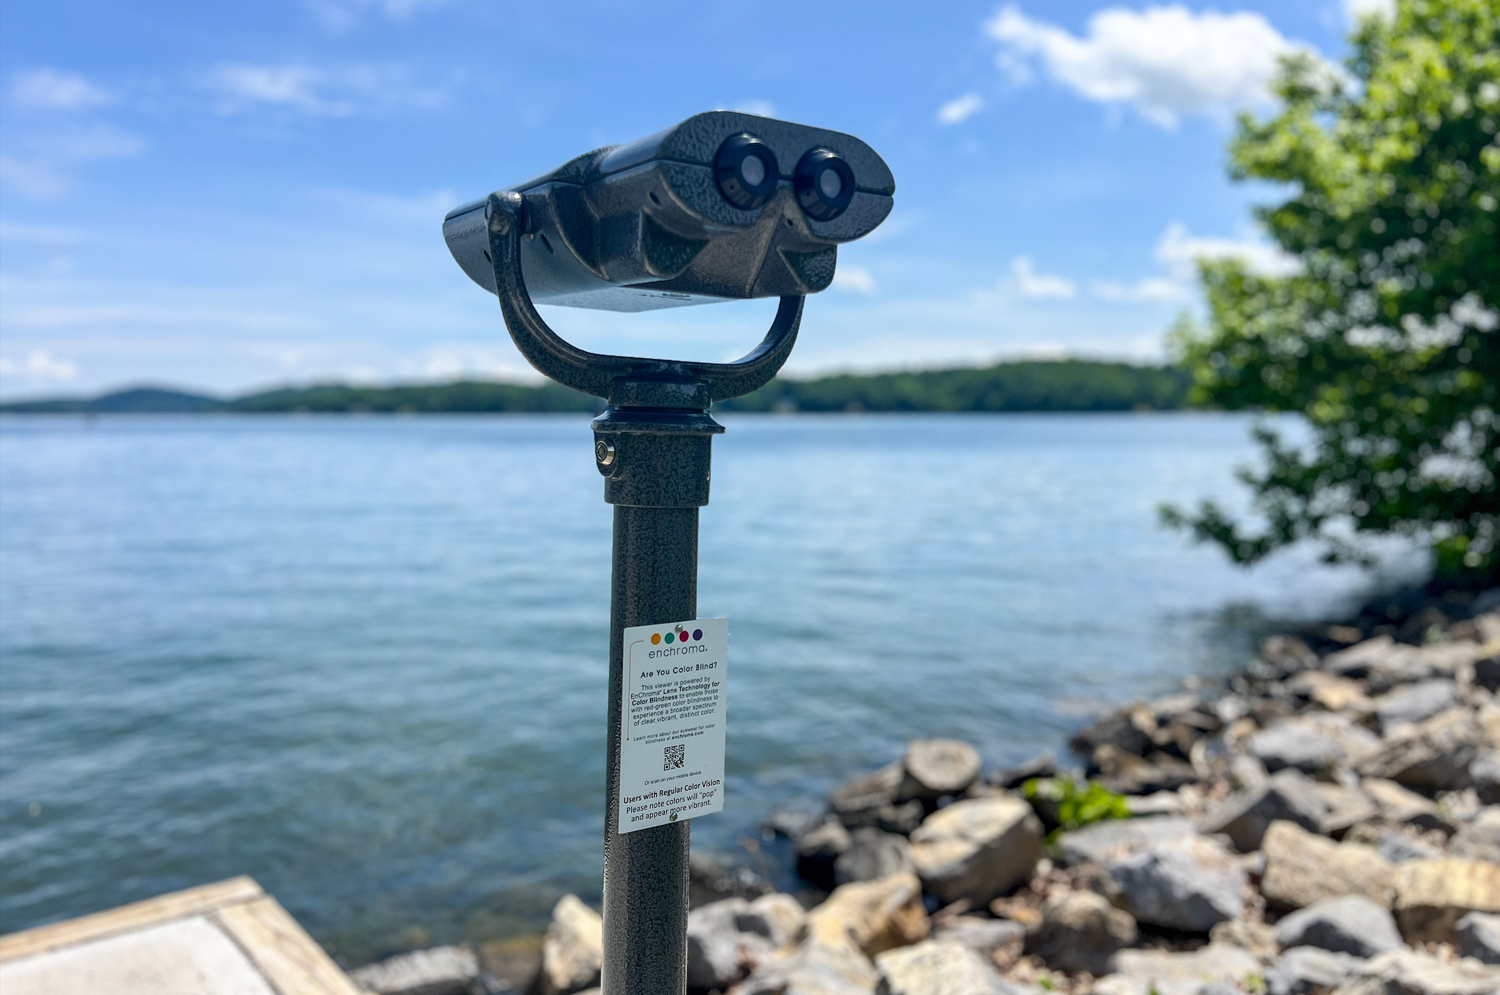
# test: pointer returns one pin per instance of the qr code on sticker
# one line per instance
(675, 757)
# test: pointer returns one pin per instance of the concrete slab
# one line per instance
(229, 938)
(186, 957)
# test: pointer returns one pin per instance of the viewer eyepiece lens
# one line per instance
(824, 184)
(746, 170)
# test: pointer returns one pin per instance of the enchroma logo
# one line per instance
(677, 635)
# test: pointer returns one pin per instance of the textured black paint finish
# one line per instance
(646, 872)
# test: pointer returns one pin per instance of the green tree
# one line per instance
(1385, 340)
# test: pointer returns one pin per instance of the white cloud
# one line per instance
(855, 278)
(1180, 252)
(41, 166)
(1356, 9)
(54, 90)
(316, 92)
(1166, 62)
(1039, 285)
(1151, 289)
(341, 15)
(39, 365)
(960, 108)
(760, 108)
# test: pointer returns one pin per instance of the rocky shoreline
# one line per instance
(1325, 821)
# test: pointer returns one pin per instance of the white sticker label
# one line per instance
(672, 722)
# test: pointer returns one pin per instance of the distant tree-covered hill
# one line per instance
(1062, 385)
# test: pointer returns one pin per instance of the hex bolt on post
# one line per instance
(624, 228)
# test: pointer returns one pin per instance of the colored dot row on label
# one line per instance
(671, 637)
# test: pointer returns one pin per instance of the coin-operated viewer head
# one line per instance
(724, 206)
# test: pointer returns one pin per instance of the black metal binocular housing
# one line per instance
(724, 206)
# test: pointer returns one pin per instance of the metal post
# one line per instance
(652, 445)
(656, 467)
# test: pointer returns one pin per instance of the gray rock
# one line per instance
(1386, 664)
(792, 823)
(1434, 755)
(1081, 932)
(1406, 972)
(1478, 935)
(861, 800)
(1314, 743)
(819, 850)
(1115, 838)
(1303, 868)
(983, 936)
(1357, 660)
(728, 939)
(1402, 805)
(1288, 654)
(937, 967)
(1128, 774)
(1140, 972)
(1187, 884)
(1310, 971)
(1128, 729)
(1041, 765)
(977, 849)
(1487, 671)
(872, 854)
(1347, 807)
(813, 969)
(436, 971)
(937, 767)
(1396, 847)
(1415, 702)
(1479, 839)
(1485, 773)
(572, 950)
(1288, 794)
(1350, 924)
(1156, 803)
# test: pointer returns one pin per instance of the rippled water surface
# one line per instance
(363, 659)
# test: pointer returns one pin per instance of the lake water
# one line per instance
(363, 659)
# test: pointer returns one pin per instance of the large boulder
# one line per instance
(1189, 884)
(937, 967)
(1288, 795)
(818, 851)
(1115, 838)
(572, 950)
(813, 968)
(872, 915)
(1485, 773)
(1128, 729)
(1385, 664)
(937, 767)
(434, 971)
(1412, 703)
(1302, 868)
(729, 938)
(1142, 972)
(1402, 805)
(1478, 936)
(1479, 839)
(870, 800)
(872, 854)
(1314, 743)
(1310, 971)
(979, 934)
(1350, 924)
(1407, 972)
(1081, 931)
(1434, 755)
(978, 849)
(1432, 895)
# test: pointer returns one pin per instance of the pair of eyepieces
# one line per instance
(747, 172)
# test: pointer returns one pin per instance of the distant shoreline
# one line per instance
(1040, 386)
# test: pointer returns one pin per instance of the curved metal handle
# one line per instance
(601, 375)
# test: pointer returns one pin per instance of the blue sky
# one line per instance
(228, 197)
